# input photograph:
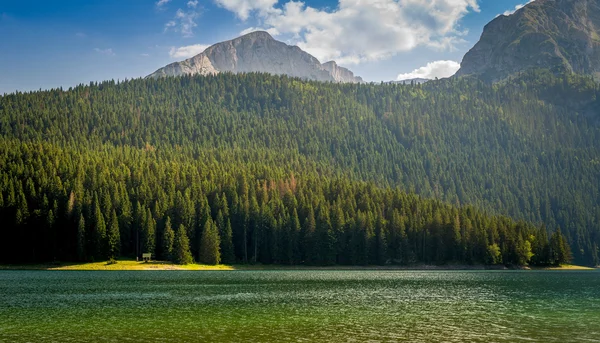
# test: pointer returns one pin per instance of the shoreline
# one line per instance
(132, 265)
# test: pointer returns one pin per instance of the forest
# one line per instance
(253, 168)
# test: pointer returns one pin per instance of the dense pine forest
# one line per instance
(255, 168)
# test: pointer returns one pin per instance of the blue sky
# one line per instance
(46, 44)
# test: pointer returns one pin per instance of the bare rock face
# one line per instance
(258, 52)
(341, 74)
(199, 64)
(560, 35)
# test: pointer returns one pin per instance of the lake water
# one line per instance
(300, 306)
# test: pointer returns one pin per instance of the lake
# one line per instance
(299, 306)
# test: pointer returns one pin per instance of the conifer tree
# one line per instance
(81, 240)
(52, 232)
(181, 247)
(149, 233)
(225, 234)
(309, 242)
(168, 240)
(210, 244)
(99, 231)
(114, 237)
(560, 251)
(380, 242)
(22, 209)
(294, 237)
(326, 238)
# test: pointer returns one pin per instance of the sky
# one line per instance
(49, 43)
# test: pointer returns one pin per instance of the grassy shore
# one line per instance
(568, 267)
(120, 265)
(163, 265)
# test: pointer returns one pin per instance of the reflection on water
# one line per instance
(299, 306)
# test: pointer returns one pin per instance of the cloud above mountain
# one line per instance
(187, 51)
(357, 30)
(439, 69)
(518, 7)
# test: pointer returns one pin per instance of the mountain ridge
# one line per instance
(560, 35)
(258, 51)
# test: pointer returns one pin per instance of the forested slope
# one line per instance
(178, 144)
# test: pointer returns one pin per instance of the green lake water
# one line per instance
(300, 306)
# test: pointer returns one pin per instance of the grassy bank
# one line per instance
(120, 265)
(163, 265)
(568, 267)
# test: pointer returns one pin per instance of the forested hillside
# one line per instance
(278, 170)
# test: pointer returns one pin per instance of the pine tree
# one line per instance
(22, 209)
(114, 237)
(225, 234)
(295, 255)
(456, 239)
(52, 233)
(560, 251)
(380, 242)
(338, 223)
(309, 242)
(210, 244)
(326, 239)
(99, 232)
(81, 238)
(149, 233)
(168, 240)
(181, 247)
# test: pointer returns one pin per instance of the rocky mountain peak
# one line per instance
(560, 35)
(257, 35)
(258, 52)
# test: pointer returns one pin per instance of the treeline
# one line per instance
(528, 148)
(80, 204)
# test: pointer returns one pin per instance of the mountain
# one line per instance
(560, 35)
(258, 52)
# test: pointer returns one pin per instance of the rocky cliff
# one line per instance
(258, 52)
(560, 35)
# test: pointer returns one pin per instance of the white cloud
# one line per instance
(272, 31)
(192, 4)
(518, 7)
(187, 51)
(184, 22)
(242, 8)
(439, 69)
(108, 52)
(145, 55)
(161, 3)
(359, 30)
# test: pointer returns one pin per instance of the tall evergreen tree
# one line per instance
(99, 232)
(560, 251)
(295, 255)
(226, 240)
(81, 239)
(114, 237)
(149, 233)
(310, 252)
(168, 240)
(181, 247)
(210, 244)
